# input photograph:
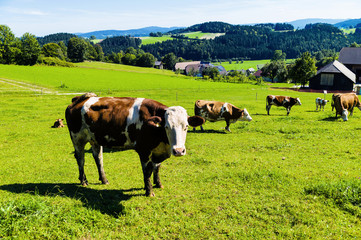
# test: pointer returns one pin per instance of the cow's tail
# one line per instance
(87, 95)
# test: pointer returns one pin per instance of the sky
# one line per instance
(44, 17)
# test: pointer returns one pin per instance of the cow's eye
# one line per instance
(186, 128)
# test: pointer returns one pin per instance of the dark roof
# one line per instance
(350, 55)
(337, 67)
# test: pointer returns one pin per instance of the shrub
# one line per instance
(51, 61)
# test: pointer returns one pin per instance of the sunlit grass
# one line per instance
(277, 177)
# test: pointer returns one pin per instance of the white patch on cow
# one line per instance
(133, 115)
(298, 101)
(133, 118)
(344, 114)
(176, 126)
(88, 104)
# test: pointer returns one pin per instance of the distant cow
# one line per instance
(321, 103)
(345, 103)
(216, 111)
(281, 101)
(58, 123)
(152, 129)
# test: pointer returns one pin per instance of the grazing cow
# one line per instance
(345, 103)
(281, 101)
(320, 103)
(216, 111)
(152, 129)
(58, 123)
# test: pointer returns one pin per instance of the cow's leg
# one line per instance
(268, 107)
(202, 128)
(147, 167)
(351, 111)
(98, 157)
(227, 127)
(288, 110)
(79, 156)
(156, 178)
(316, 107)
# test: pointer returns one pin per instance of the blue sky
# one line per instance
(43, 17)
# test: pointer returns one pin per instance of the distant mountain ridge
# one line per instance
(348, 23)
(141, 32)
(301, 23)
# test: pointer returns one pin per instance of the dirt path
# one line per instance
(33, 87)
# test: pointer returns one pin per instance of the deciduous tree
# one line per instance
(76, 49)
(30, 49)
(303, 69)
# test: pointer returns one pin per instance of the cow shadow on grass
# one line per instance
(208, 131)
(330, 119)
(106, 201)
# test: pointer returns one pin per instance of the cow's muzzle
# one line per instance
(179, 152)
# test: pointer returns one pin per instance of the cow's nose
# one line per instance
(179, 151)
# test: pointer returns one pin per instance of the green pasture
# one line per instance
(277, 177)
(239, 65)
(151, 40)
(198, 35)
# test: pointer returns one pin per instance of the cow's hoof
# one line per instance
(159, 186)
(105, 182)
(84, 184)
(150, 194)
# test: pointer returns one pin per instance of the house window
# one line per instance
(327, 79)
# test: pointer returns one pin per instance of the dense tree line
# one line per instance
(120, 43)
(55, 38)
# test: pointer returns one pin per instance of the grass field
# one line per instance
(199, 35)
(277, 177)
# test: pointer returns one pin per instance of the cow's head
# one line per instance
(344, 114)
(245, 116)
(298, 101)
(176, 126)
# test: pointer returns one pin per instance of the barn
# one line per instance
(351, 58)
(333, 76)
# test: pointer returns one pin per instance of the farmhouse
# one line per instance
(351, 58)
(333, 76)
(182, 65)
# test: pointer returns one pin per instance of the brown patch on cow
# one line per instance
(196, 121)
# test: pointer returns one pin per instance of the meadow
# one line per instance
(192, 35)
(277, 177)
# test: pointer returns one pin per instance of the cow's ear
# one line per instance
(154, 121)
(195, 121)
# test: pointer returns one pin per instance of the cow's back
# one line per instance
(111, 121)
(210, 110)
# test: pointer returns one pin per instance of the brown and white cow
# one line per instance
(152, 129)
(58, 123)
(216, 111)
(345, 103)
(321, 103)
(281, 101)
